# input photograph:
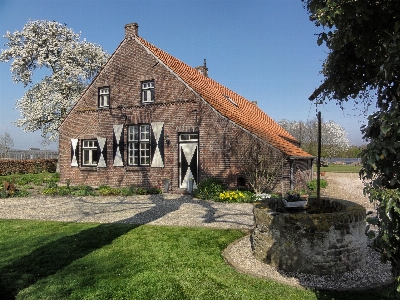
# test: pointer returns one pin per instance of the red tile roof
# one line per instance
(231, 105)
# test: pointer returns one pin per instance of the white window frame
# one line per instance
(148, 91)
(188, 137)
(104, 96)
(139, 145)
(89, 152)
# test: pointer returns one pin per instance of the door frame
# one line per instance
(188, 138)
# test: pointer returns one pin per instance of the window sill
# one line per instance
(88, 168)
(136, 168)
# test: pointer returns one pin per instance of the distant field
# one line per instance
(341, 168)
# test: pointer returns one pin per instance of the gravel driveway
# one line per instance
(165, 209)
(347, 186)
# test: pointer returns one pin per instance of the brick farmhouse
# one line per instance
(148, 116)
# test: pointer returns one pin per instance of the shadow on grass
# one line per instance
(52, 257)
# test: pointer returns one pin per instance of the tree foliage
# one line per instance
(71, 65)
(334, 137)
(363, 65)
(6, 144)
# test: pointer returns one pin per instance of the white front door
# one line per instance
(188, 159)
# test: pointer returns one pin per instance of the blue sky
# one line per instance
(265, 50)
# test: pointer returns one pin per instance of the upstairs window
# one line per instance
(89, 152)
(139, 145)
(148, 91)
(104, 96)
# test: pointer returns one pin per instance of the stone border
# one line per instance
(374, 275)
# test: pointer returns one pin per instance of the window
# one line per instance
(189, 137)
(139, 145)
(148, 91)
(89, 152)
(104, 96)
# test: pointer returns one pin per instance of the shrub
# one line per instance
(209, 189)
(387, 203)
(105, 190)
(312, 184)
(82, 190)
(27, 166)
(154, 190)
(139, 191)
(50, 191)
(126, 191)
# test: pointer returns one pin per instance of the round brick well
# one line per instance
(313, 241)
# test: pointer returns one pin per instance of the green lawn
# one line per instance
(54, 260)
(341, 168)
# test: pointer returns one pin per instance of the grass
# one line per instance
(54, 260)
(341, 168)
(37, 179)
(47, 184)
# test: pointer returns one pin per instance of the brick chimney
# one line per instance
(131, 29)
(203, 69)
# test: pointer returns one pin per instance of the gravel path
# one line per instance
(183, 210)
(166, 209)
(347, 186)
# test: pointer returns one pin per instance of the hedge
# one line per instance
(8, 167)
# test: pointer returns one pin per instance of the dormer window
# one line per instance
(104, 96)
(148, 91)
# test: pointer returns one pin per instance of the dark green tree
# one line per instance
(363, 65)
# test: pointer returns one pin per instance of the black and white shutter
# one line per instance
(118, 145)
(157, 144)
(101, 152)
(74, 153)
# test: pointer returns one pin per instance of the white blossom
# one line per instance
(71, 65)
(333, 137)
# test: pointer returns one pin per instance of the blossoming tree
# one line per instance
(71, 64)
(334, 137)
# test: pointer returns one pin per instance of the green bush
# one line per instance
(209, 189)
(82, 190)
(388, 221)
(105, 190)
(154, 191)
(312, 184)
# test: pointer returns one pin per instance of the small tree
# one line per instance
(260, 164)
(6, 144)
(71, 63)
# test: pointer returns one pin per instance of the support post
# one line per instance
(319, 161)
